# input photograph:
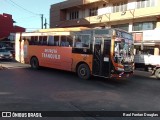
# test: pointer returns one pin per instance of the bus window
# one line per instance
(40, 40)
(28, 38)
(82, 41)
(69, 41)
(44, 40)
(34, 39)
(85, 40)
(56, 40)
(51, 41)
(66, 41)
(63, 40)
(78, 42)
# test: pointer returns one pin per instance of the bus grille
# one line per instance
(128, 68)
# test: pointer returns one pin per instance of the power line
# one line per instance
(27, 17)
(23, 8)
(41, 15)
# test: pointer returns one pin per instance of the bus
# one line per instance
(89, 52)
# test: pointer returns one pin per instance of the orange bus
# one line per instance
(88, 52)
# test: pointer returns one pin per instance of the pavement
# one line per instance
(12, 65)
(2, 67)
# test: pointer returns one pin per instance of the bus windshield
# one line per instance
(123, 51)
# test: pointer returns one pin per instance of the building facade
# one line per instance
(7, 27)
(140, 17)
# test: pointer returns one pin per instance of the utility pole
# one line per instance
(42, 20)
(45, 23)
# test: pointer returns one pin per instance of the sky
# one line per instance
(27, 13)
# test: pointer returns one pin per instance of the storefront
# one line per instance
(147, 42)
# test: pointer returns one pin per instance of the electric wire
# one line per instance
(23, 8)
(11, 2)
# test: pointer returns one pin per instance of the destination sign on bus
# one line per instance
(51, 54)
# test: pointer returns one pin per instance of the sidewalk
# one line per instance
(10, 65)
(1, 67)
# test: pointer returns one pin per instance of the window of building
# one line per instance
(121, 26)
(93, 11)
(119, 7)
(145, 3)
(146, 50)
(104, 5)
(144, 26)
(73, 15)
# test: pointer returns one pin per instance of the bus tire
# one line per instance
(34, 63)
(157, 73)
(83, 71)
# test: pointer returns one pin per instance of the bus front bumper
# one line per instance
(122, 75)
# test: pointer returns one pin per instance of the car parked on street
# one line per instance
(5, 54)
(12, 50)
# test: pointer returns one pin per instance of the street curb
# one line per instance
(2, 68)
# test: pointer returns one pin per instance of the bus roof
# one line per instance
(63, 29)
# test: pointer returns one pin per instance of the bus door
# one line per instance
(101, 59)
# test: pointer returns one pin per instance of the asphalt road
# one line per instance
(24, 89)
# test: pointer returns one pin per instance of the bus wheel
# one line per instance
(84, 71)
(34, 63)
(157, 73)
